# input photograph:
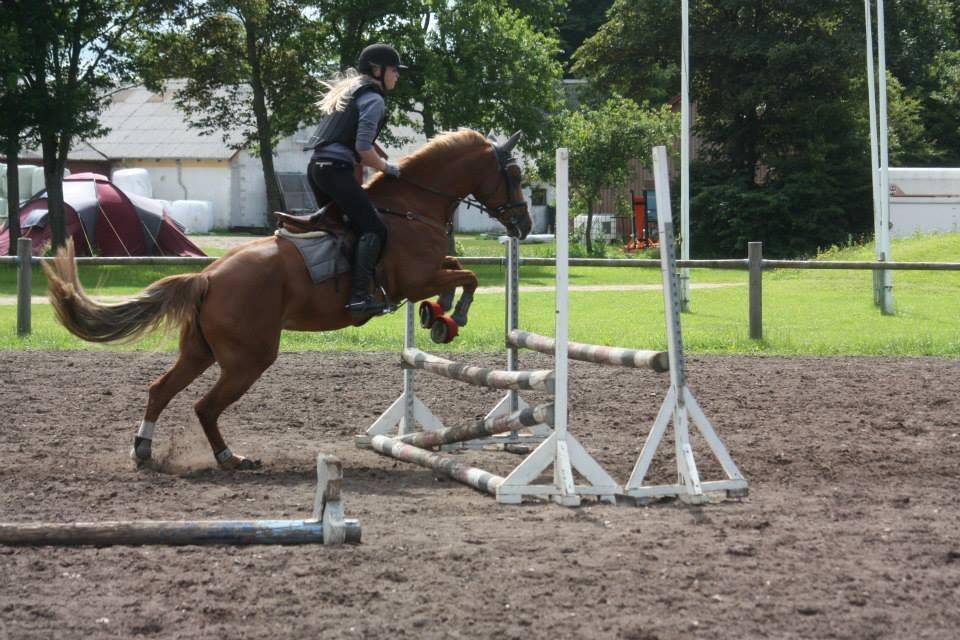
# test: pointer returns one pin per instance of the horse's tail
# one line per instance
(171, 301)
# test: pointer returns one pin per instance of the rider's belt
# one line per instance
(332, 164)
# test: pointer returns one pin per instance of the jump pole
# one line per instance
(327, 526)
(472, 476)
(679, 406)
(410, 447)
(526, 417)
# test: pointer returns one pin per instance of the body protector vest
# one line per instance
(341, 126)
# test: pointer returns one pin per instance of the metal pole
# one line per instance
(513, 312)
(561, 307)
(24, 285)
(755, 260)
(409, 424)
(874, 159)
(886, 294)
(685, 155)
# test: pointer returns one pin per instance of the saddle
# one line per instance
(325, 244)
(312, 222)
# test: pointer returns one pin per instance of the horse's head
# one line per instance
(501, 195)
(455, 165)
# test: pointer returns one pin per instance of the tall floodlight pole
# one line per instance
(685, 155)
(874, 154)
(886, 293)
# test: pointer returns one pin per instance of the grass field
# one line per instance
(805, 311)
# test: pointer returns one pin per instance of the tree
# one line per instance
(581, 20)
(250, 67)
(771, 83)
(487, 64)
(636, 52)
(16, 126)
(923, 54)
(781, 107)
(779, 116)
(480, 64)
(603, 140)
(78, 53)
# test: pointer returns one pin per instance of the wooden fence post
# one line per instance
(24, 285)
(755, 262)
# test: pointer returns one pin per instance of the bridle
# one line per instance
(506, 161)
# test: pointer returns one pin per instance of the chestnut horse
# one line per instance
(233, 312)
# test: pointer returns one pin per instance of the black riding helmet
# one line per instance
(382, 55)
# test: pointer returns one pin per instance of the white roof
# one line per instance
(144, 124)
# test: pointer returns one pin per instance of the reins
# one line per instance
(413, 217)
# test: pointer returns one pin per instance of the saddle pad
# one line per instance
(321, 253)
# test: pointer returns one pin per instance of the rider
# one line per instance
(354, 114)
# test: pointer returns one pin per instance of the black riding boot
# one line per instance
(364, 262)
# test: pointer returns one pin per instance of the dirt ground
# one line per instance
(850, 529)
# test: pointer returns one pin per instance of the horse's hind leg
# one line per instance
(236, 377)
(195, 358)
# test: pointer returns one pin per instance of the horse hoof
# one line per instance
(240, 463)
(141, 451)
(444, 330)
(429, 312)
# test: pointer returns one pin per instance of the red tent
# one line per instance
(104, 221)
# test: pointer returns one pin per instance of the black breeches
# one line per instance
(334, 182)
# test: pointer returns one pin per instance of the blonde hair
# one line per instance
(341, 88)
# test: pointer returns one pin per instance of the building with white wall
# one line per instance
(924, 201)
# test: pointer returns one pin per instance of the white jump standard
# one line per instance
(679, 406)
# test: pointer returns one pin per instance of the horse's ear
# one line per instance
(508, 146)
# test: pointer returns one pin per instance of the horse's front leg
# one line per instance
(465, 279)
(445, 299)
(443, 281)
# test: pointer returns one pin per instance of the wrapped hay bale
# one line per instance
(133, 181)
(26, 173)
(196, 216)
(38, 183)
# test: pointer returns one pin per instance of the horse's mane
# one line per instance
(444, 142)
